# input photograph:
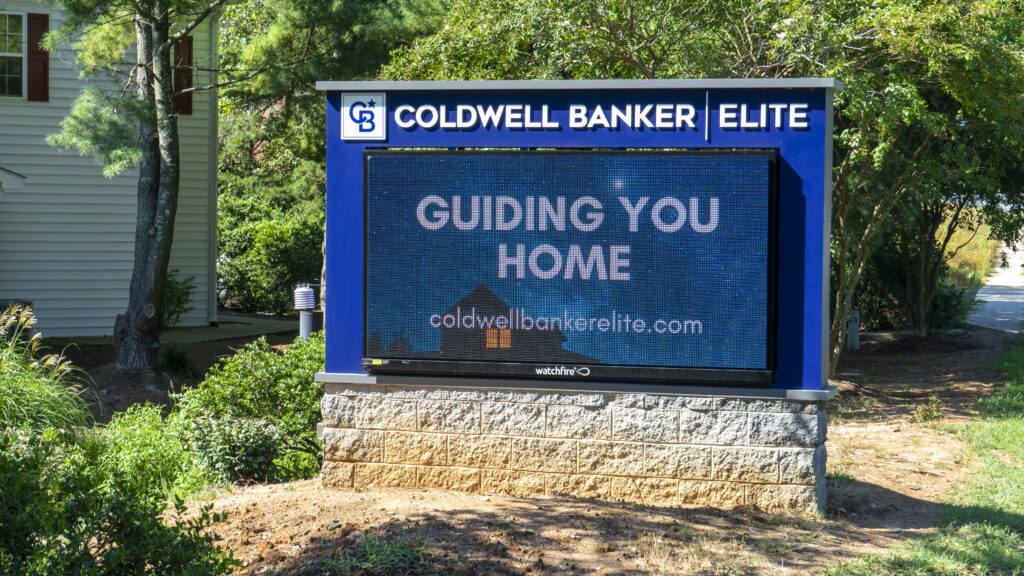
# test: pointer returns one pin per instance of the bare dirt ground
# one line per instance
(888, 475)
(294, 529)
(891, 376)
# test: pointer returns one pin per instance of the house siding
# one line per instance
(67, 236)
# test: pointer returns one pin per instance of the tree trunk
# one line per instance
(849, 278)
(932, 255)
(928, 223)
(851, 269)
(136, 335)
(908, 284)
(137, 331)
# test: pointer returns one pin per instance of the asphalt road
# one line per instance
(1003, 297)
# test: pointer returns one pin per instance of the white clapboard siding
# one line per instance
(67, 235)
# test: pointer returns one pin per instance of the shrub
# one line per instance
(259, 383)
(261, 261)
(927, 412)
(176, 358)
(36, 393)
(61, 515)
(951, 305)
(230, 450)
(177, 297)
(145, 449)
(881, 296)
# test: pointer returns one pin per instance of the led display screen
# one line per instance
(568, 264)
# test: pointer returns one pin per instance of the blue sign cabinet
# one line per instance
(791, 117)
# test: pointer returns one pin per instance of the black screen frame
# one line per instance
(603, 372)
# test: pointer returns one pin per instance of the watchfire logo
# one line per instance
(563, 371)
(363, 116)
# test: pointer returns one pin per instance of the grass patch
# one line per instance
(996, 494)
(984, 532)
(845, 408)
(376, 555)
(36, 392)
(971, 549)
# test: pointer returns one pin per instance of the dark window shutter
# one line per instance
(38, 59)
(183, 74)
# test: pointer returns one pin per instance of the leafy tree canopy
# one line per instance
(932, 105)
(272, 178)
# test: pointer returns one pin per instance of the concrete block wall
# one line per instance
(655, 449)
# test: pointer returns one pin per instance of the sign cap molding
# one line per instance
(675, 84)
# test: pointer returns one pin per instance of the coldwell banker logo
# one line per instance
(363, 116)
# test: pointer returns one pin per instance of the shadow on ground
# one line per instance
(566, 536)
(896, 373)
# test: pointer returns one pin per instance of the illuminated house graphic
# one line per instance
(482, 309)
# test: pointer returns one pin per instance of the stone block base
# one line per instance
(654, 449)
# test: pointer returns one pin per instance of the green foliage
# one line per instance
(931, 115)
(882, 294)
(145, 449)
(300, 42)
(973, 549)
(114, 141)
(879, 297)
(272, 180)
(262, 259)
(951, 305)
(971, 257)
(498, 39)
(373, 554)
(36, 392)
(276, 162)
(62, 515)
(230, 450)
(253, 418)
(259, 383)
(177, 298)
(559, 39)
(927, 412)
(883, 306)
(270, 209)
(176, 358)
(914, 143)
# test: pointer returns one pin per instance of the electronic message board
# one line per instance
(647, 233)
(652, 265)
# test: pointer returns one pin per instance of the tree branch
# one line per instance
(248, 76)
(194, 23)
